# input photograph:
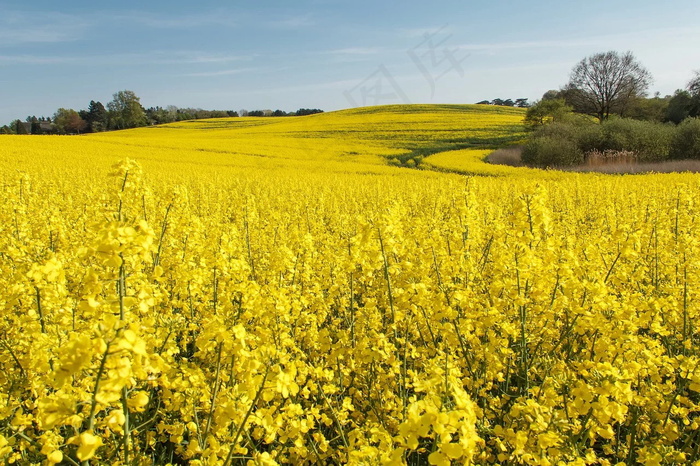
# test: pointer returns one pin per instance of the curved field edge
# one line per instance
(473, 162)
(469, 162)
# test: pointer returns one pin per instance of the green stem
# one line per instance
(39, 309)
(229, 458)
(217, 384)
(93, 405)
(127, 432)
(388, 278)
(163, 229)
(121, 285)
(337, 421)
(14, 357)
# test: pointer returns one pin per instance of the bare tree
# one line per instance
(694, 85)
(605, 83)
(694, 90)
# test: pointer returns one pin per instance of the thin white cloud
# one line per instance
(35, 60)
(126, 59)
(207, 74)
(193, 57)
(427, 31)
(500, 46)
(354, 51)
(198, 58)
(339, 86)
(165, 21)
(17, 28)
(292, 22)
(351, 54)
(604, 42)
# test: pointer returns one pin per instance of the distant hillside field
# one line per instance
(342, 288)
(348, 140)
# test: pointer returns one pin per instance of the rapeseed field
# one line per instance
(342, 288)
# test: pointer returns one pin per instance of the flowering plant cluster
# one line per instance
(154, 314)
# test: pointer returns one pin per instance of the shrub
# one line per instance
(552, 151)
(560, 130)
(651, 141)
(559, 144)
(565, 142)
(686, 143)
(589, 137)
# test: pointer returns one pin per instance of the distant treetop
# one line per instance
(521, 103)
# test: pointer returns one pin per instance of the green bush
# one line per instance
(651, 141)
(565, 143)
(686, 143)
(590, 137)
(560, 144)
(560, 130)
(552, 151)
(546, 111)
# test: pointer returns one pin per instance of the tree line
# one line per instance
(614, 85)
(125, 111)
(521, 103)
(603, 114)
(278, 113)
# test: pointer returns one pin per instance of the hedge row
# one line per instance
(563, 144)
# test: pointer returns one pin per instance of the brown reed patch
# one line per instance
(511, 156)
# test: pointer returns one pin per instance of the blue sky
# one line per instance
(324, 53)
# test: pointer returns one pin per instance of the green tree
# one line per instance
(546, 111)
(125, 111)
(649, 109)
(160, 115)
(605, 83)
(552, 94)
(307, 111)
(19, 127)
(68, 121)
(679, 106)
(95, 116)
(35, 128)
